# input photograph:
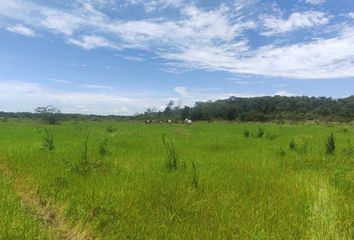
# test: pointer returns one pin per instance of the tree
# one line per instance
(169, 107)
(49, 114)
(276, 108)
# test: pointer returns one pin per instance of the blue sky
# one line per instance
(124, 56)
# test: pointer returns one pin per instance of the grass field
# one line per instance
(107, 180)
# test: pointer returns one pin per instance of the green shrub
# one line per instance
(48, 141)
(292, 145)
(110, 129)
(260, 133)
(281, 152)
(83, 166)
(195, 177)
(49, 114)
(171, 157)
(298, 144)
(103, 147)
(246, 133)
(331, 144)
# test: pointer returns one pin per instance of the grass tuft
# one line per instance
(171, 158)
(331, 144)
(48, 141)
(103, 148)
(246, 133)
(260, 132)
(195, 177)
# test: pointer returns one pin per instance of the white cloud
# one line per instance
(59, 22)
(134, 59)
(58, 80)
(213, 39)
(315, 2)
(274, 25)
(20, 29)
(351, 15)
(26, 96)
(319, 59)
(181, 91)
(95, 86)
(153, 5)
(92, 41)
(284, 93)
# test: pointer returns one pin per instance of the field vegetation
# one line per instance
(219, 180)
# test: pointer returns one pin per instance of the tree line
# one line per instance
(256, 109)
(261, 109)
(52, 115)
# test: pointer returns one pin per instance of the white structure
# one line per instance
(189, 122)
(169, 121)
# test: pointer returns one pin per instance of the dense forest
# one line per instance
(257, 109)
(276, 108)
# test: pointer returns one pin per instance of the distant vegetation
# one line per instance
(258, 109)
(55, 118)
(262, 109)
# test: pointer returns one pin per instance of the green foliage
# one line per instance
(84, 166)
(110, 129)
(246, 133)
(260, 132)
(260, 109)
(239, 182)
(281, 152)
(171, 157)
(298, 144)
(195, 176)
(49, 114)
(103, 147)
(331, 144)
(48, 140)
(292, 144)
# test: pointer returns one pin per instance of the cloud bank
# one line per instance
(214, 39)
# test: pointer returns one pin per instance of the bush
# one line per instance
(260, 133)
(84, 166)
(331, 144)
(292, 144)
(103, 148)
(110, 129)
(49, 114)
(281, 152)
(171, 155)
(246, 133)
(48, 141)
(195, 177)
(298, 144)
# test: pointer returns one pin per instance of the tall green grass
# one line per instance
(233, 187)
(17, 222)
